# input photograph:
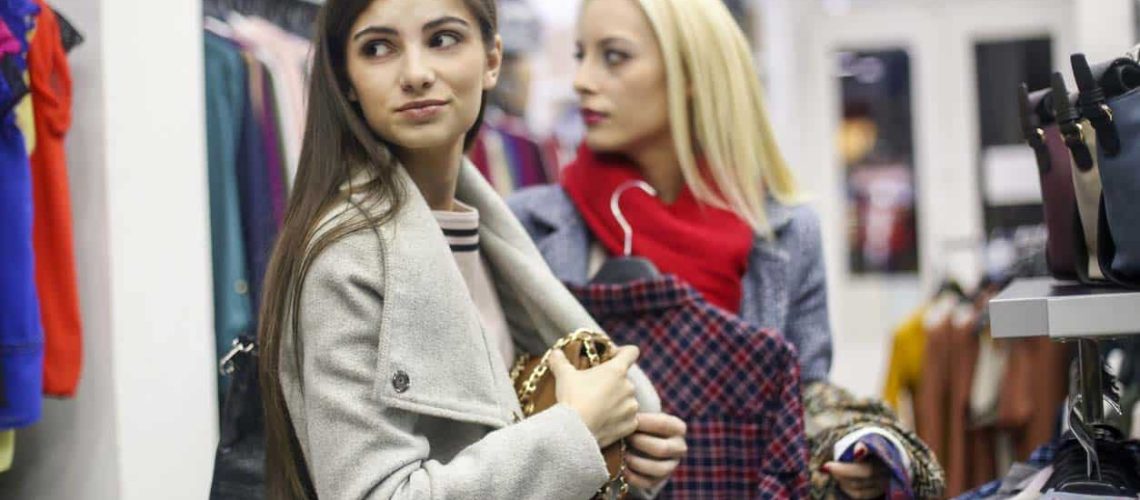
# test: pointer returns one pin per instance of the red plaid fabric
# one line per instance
(735, 385)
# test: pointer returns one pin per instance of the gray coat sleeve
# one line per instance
(356, 447)
(808, 324)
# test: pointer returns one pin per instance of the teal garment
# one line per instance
(226, 84)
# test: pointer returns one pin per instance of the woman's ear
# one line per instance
(352, 95)
(494, 64)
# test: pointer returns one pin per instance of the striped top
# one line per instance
(461, 228)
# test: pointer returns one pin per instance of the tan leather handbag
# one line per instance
(534, 385)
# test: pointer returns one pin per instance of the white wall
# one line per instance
(800, 38)
(144, 422)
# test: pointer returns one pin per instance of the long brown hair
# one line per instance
(337, 141)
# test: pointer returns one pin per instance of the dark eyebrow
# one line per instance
(445, 20)
(379, 30)
(384, 30)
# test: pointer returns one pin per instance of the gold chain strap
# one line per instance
(526, 392)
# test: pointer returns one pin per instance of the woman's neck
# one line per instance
(661, 169)
(435, 171)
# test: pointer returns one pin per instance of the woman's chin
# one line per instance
(601, 142)
(425, 137)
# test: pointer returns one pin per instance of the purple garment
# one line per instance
(275, 165)
(8, 42)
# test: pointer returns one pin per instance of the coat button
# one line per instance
(400, 381)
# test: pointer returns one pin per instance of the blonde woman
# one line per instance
(669, 95)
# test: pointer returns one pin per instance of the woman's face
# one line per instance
(418, 69)
(621, 78)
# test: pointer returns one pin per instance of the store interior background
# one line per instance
(144, 423)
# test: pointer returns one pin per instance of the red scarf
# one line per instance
(705, 246)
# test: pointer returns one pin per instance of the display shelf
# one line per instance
(1044, 307)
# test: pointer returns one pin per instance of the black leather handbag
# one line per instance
(1111, 103)
(239, 463)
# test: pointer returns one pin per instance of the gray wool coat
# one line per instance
(398, 395)
(784, 288)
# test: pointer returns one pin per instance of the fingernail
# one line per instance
(825, 469)
(860, 453)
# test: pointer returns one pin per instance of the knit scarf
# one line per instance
(706, 247)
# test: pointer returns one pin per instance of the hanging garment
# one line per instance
(478, 156)
(735, 385)
(226, 87)
(1033, 391)
(971, 456)
(271, 136)
(21, 333)
(506, 153)
(8, 43)
(931, 409)
(966, 451)
(904, 373)
(52, 227)
(70, 37)
(258, 224)
(834, 417)
(285, 57)
(498, 163)
(986, 386)
(7, 449)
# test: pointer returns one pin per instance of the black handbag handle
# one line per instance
(1092, 100)
(1068, 120)
(1031, 126)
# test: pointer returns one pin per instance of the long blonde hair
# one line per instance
(715, 98)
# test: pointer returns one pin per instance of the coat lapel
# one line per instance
(534, 300)
(430, 330)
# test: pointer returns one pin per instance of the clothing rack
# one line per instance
(1070, 312)
(295, 16)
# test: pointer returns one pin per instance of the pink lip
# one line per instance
(592, 117)
(421, 110)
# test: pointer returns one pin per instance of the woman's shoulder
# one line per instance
(793, 221)
(537, 198)
(797, 232)
(548, 203)
(354, 256)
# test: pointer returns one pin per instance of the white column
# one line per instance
(1104, 28)
(144, 422)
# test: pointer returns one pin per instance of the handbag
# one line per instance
(534, 385)
(1041, 131)
(1111, 103)
(239, 463)
(1081, 141)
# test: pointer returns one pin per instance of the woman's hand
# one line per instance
(862, 478)
(601, 395)
(655, 450)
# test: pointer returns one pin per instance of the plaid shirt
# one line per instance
(735, 386)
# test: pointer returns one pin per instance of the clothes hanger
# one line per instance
(627, 268)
